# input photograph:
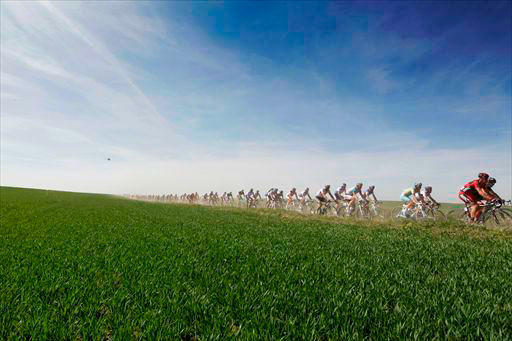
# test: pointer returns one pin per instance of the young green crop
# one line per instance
(82, 266)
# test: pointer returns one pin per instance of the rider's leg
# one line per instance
(407, 203)
(320, 203)
(477, 212)
(351, 205)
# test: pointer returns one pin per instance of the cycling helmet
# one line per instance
(359, 184)
(428, 188)
(294, 189)
(372, 187)
(483, 176)
(417, 184)
(491, 182)
(327, 186)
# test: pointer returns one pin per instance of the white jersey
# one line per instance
(303, 194)
(425, 195)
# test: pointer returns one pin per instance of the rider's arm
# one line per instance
(374, 198)
(332, 197)
(494, 194)
(309, 196)
(487, 196)
(433, 200)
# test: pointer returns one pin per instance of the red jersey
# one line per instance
(475, 184)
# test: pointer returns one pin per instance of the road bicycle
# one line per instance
(418, 212)
(434, 212)
(306, 207)
(326, 209)
(294, 205)
(368, 209)
(342, 209)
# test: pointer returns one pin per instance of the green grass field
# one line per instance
(84, 266)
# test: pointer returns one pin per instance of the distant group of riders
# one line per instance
(343, 200)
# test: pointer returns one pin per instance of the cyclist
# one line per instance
(229, 197)
(241, 196)
(257, 195)
(269, 192)
(321, 196)
(352, 196)
(473, 192)
(427, 196)
(339, 194)
(302, 196)
(410, 197)
(370, 192)
(249, 197)
(271, 196)
(291, 194)
(280, 197)
(213, 199)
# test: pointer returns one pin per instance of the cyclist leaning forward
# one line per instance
(410, 197)
(303, 196)
(475, 191)
(291, 194)
(352, 195)
(427, 196)
(340, 195)
(321, 196)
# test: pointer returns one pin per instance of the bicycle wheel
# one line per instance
(497, 218)
(459, 214)
(437, 214)
(506, 216)
(490, 217)
(395, 212)
(375, 213)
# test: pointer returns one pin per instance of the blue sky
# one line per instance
(186, 96)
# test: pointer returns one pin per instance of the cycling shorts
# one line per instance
(405, 199)
(472, 194)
